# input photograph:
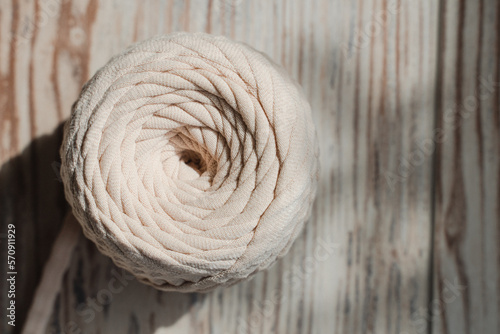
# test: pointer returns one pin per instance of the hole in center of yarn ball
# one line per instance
(194, 160)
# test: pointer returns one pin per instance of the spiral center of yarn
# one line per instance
(194, 160)
(183, 157)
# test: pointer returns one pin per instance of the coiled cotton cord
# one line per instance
(191, 160)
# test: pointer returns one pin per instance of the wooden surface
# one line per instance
(467, 183)
(405, 233)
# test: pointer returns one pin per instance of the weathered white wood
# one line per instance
(377, 73)
(467, 252)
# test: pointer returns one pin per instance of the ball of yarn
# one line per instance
(191, 160)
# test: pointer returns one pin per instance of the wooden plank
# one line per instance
(31, 197)
(467, 253)
(368, 67)
(381, 182)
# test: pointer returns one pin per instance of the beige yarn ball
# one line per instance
(191, 160)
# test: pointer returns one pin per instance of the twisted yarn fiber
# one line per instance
(191, 160)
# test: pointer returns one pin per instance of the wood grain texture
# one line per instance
(401, 212)
(467, 216)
